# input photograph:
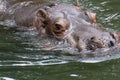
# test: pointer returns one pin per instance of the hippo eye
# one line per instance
(58, 26)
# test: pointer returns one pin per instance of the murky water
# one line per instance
(22, 57)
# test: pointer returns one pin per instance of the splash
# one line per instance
(2, 5)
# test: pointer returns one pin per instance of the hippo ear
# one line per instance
(92, 17)
(39, 19)
(42, 13)
(77, 3)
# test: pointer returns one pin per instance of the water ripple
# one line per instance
(6, 78)
(32, 63)
(111, 17)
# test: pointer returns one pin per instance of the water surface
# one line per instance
(21, 57)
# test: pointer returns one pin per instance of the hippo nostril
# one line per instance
(92, 38)
(58, 26)
(111, 44)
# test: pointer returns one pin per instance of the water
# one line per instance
(21, 57)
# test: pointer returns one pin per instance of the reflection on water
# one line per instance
(6, 78)
(32, 63)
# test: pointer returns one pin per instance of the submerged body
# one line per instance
(63, 21)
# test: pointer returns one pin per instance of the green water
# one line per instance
(20, 60)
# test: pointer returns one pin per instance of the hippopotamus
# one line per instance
(65, 22)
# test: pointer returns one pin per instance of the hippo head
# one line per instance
(55, 19)
(69, 21)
